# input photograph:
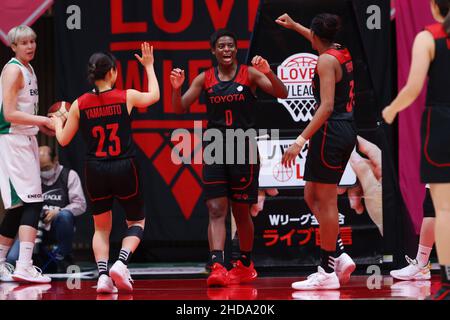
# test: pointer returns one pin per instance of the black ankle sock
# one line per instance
(216, 256)
(246, 258)
(339, 246)
(327, 260)
(445, 274)
(125, 256)
(102, 268)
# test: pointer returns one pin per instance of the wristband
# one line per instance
(300, 141)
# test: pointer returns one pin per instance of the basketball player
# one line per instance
(332, 136)
(111, 172)
(419, 268)
(229, 90)
(431, 56)
(20, 181)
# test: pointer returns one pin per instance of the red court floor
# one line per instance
(266, 288)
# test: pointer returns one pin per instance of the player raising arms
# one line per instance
(229, 89)
(431, 56)
(111, 171)
(332, 136)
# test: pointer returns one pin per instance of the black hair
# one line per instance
(99, 65)
(219, 34)
(444, 8)
(326, 26)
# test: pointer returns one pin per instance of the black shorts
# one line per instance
(329, 151)
(435, 134)
(114, 179)
(428, 208)
(239, 182)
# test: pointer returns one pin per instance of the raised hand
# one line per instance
(261, 64)
(147, 58)
(177, 78)
(285, 21)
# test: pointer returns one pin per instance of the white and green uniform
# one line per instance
(20, 179)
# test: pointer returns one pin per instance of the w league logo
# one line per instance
(297, 73)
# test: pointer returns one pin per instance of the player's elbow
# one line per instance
(327, 107)
(8, 115)
(62, 142)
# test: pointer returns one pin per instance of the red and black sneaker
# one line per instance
(218, 276)
(241, 273)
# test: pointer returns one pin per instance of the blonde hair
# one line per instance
(20, 32)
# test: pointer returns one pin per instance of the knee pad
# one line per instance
(135, 231)
(11, 222)
(31, 214)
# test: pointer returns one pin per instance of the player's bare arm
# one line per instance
(180, 102)
(261, 75)
(12, 83)
(422, 55)
(286, 21)
(139, 99)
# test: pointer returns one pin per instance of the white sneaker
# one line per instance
(105, 285)
(413, 271)
(344, 267)
(26, 272)
(121, 276)
(318, 281)
(6, 271)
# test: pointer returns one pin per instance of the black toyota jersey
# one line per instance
(106, 125)
(344, 93)
(438, 93)
(230, 104)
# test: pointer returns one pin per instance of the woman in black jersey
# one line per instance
(229, 90)
(332, 138)
(431, 57)
(111, 172)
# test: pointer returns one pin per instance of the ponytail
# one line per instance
(99, 65)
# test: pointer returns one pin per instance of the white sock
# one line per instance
(3, 252)
(423, 255)
(26, 252)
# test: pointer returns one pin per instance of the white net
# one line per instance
(300, 110)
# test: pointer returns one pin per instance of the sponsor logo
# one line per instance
(34, 196)
(227, 99)
(297, 73)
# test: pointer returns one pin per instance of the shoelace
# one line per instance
(6, 268)
(35, 271)
(411, 261)
(315, 278)
(129, 276)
